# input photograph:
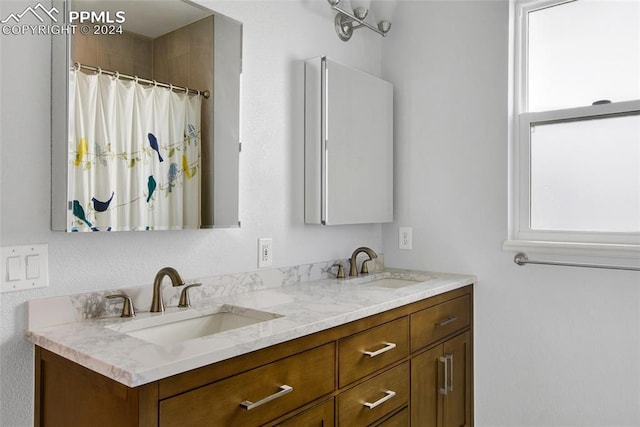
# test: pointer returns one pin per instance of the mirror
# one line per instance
(348, 145)
(145, 116)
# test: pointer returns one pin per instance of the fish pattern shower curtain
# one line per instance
(134, 154)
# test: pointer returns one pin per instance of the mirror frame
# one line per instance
(226, 144)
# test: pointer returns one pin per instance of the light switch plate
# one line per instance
(24, 267)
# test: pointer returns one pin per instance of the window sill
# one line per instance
(599, 250)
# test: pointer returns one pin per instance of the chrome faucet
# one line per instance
(157, 304)
(353, 270)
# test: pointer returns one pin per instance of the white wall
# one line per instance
(278, 36)
(553, 345)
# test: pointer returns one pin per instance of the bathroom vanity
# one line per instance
(398, 352)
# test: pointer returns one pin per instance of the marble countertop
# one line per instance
(103, 345)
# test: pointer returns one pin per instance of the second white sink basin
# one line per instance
(174, 328)
(389, 282)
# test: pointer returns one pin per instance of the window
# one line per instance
(577, 123)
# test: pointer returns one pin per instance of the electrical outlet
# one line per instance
(265, 252)
(404, 238)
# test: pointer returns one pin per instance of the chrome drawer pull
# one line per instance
(388, 346)
(449, 320)
(444, 390)
(249, 405)
(389, 395)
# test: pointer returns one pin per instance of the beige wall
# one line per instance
(127, 53)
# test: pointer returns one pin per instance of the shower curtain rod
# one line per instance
(204, 93)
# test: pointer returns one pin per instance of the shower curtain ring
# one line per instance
(77, 66)
(186, 90)
(135, 79)
(170, 87)
(116, 75)
(99, 70)
(155, 83)
(198, 92)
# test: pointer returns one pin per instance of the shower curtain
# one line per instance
(134, 156)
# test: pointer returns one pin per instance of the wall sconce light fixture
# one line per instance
(347, 22)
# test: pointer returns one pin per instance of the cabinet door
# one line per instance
(441, 391)
(348, 145)
(426, 380)
(457, 403)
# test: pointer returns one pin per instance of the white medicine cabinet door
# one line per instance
(348, 145)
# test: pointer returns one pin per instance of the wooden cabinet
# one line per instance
(441, 377)
(408, 366)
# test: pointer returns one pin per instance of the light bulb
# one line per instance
(383, 10)
(360, 8)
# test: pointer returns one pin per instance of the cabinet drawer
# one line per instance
(401, 419)
(310, 374)
(375, 398)
(318, 416)
(364, 353)
(434, 323)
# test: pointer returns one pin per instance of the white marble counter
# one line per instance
(305, 308)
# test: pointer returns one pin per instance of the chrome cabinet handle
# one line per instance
(249, 405)
(388, 346)
(447, 360)
(444, 390)
(449, 320)
(388, 395)
(450, 358)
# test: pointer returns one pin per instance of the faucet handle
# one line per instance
(340, 274)
(184, 295)
(365, 269)
(127, 307)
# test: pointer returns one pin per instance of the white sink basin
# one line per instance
(186, 325)
(389, 282)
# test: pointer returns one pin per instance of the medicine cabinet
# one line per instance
(348, 145)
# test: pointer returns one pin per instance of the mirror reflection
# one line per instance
(141, 107)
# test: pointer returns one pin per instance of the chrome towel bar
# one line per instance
(521, 259)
